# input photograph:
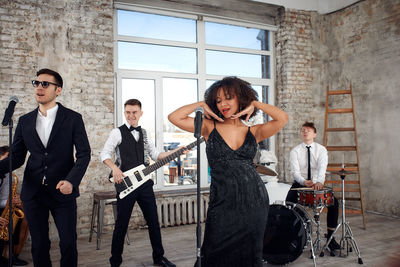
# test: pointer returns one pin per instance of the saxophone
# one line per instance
(17, 213)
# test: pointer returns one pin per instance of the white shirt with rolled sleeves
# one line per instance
(115, 139)
(299, 162)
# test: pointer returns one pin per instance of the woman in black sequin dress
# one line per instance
(238, 208)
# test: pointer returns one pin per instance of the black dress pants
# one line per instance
(144, 195)
(333, 211)
(64, 215)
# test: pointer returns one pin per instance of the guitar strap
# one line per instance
(146, 151)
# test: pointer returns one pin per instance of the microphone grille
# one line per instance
(14, 98)
(201, 109)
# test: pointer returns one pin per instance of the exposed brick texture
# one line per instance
(74, 38)
(358, 44)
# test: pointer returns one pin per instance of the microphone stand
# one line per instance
(197, 133)
(10, 221)
(198, 229)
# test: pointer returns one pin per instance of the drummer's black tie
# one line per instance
(309, 163)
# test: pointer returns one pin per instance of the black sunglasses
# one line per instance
(44, 84)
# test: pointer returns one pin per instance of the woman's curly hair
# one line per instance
(232, 86)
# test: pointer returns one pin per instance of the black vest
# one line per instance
(130, 150)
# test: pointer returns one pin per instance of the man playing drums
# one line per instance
(308, 162)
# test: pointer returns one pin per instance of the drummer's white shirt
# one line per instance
(299, 164)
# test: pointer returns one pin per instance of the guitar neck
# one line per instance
(146, 171)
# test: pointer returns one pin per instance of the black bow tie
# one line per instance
(135, 128)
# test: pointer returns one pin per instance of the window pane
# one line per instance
(176, 93)
(236, 36)
(262, 92)
(144, 91)
(156, 58)
(156, 26)
(238, 64)
(209, 83)
(261, 117)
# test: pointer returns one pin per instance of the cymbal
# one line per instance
(265, 170)
(342, 172)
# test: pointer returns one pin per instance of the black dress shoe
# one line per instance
(333, 245)
(3, 262)
(18, 262)
(164, 262)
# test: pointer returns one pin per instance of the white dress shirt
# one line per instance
(299, 162)
(44, 124)
(115, 139)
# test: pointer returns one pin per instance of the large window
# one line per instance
(168, 59)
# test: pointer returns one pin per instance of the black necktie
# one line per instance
(135, 128)
(309, 163)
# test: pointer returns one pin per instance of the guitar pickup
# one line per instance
(120, 187)
(138, 176)
(128, 181)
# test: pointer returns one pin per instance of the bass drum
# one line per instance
(286, 233)
(277, 192)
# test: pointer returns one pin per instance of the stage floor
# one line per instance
(379, 246)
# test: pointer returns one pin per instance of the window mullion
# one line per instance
(237, 50)
(124, 38)
(198, 72)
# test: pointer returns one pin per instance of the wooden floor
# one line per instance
(379, 246)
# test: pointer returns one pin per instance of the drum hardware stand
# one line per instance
(309, 240)
(309, 237)
(318, 239)
(309, 234)
(347, 238)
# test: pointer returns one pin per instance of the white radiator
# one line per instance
(173, 211)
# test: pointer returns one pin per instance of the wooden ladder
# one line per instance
(352, 185)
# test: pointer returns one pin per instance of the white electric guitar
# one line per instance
(137, 176)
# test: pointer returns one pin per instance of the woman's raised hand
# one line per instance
(208, 113)
(247, 111)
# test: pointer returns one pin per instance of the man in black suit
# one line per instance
(52, 175)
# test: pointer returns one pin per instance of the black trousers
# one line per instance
(64, 214)
(144, 195)
(333, 211)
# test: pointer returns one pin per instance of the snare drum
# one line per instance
(316, 198)
(286, 233)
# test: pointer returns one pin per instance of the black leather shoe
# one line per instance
(18, 262)
(3, 262)
(333, 245)
(164, 262)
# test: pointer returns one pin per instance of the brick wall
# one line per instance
(76, 39)
(357, 45)
(294, 79)
(360, 45)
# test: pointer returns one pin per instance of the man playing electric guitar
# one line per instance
(133, 146)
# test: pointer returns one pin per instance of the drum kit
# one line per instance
(290, 227)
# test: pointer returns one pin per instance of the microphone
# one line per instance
(10, 110)
(198, 121)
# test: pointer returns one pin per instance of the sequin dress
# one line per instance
(238, 208)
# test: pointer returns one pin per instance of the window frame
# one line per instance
(200, 76)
